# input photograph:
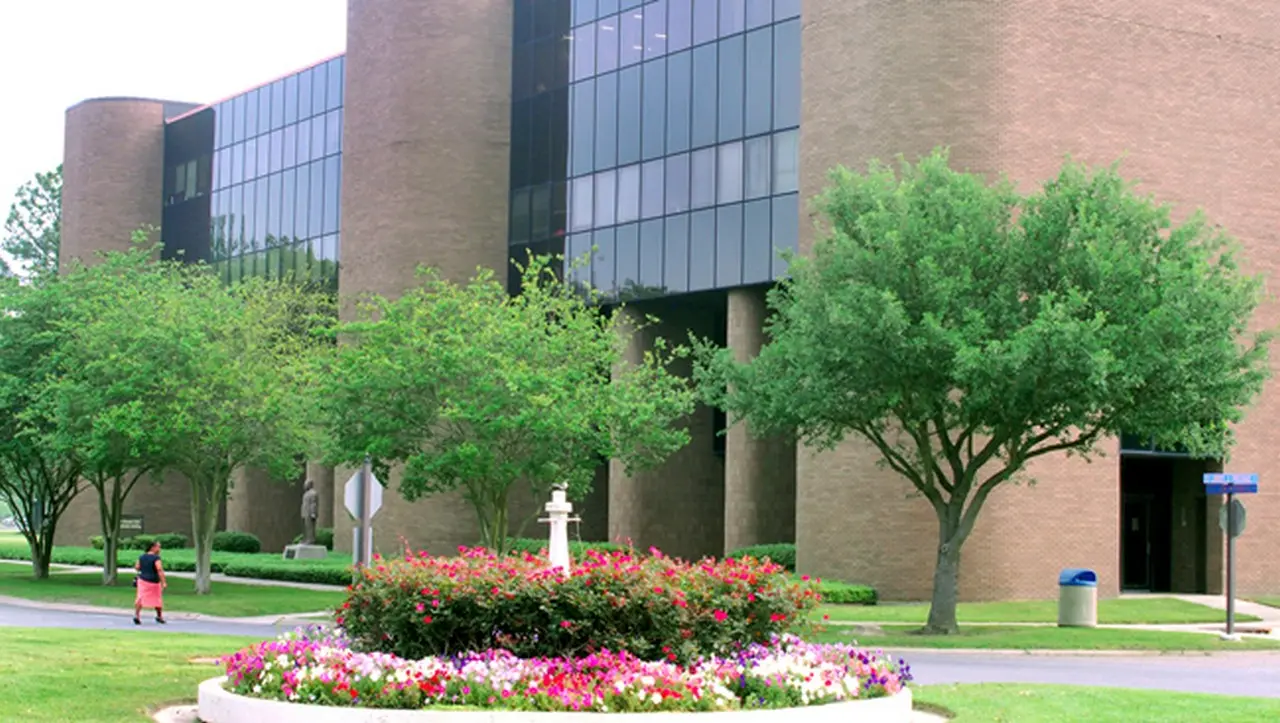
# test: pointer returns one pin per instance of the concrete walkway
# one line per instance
(215, 577)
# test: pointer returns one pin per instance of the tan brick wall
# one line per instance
(267, 507)
(164, 507)
(425, 181)
(1186, 95)
(678, 506)
(113, 174)
(760, 474)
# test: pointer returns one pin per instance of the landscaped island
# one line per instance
(621, 633)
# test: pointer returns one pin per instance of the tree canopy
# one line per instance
(33, 228)
(475, 390)
(963, 329)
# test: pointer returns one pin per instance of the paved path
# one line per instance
(1256, 674)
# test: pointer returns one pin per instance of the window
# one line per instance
(675, 257)
(319, 81)
(628, 194)
(261, 209)
(607, 45)
(655, 29)
(759, 87)
(250, 114)
(785, 162)
(291, 99)
(602, 260)
(704, 20)
(651, 254)
(654, 108)
(333, 133)
(702, 188)
(250, 159)
(289, 143)
(277, 104)
(264, 155)
(304, 141)
(732, 69)
(729, 173)
(627, 255)
(541, 212)
(302, 218)
(315, 205)
(520, 222)
(274, 224)
(584, 52)
(264, 110)
(756, 167)
(631, 49)
(582, 118)
(679, 101)
(704, 95)
(629, 115)
(786, 230)
(702, 250)
(317, 137)
(337, 77)
(733, 17)
(757, 251)
(786, 74)
(729, 245)
(304, 94)
(584, 11)
(582, 200)
(288, 204)
(652, 178)
(606, 198)
(607, 121)
(677, 183)
(679, 25)
(759, 12)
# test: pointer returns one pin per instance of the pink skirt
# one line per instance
(150, 594)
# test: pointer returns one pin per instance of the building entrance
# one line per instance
(1164, 525)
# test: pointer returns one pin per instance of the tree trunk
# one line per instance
(204, 518)
(946, 586)
(41, 555)
(110, 512)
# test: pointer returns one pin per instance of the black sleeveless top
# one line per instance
(147, 567)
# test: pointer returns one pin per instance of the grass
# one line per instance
(1272, 601)
(1130, 611)
(1044, 638)
(227, 599)
(1054, 703)
(53, 676)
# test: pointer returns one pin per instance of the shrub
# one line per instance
(577, 550)
(137, 542)
(97, 542)
(653, 607)
(324, 536)
(228, 541)
(172, 541)
(783, 553)
(168, 541)
(843, 593)
(309, 572)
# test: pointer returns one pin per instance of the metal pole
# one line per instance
(358, 545)
(1231, 564)
(366, 501)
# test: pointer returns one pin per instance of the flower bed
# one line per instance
(655, 607)
(320, 668)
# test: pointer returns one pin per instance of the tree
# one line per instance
(220, 378)
(33, 228)
(478, 391)
(38, 476)
(94, 405)
(964, 330)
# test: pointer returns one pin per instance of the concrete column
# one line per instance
(678, 506)
(425, 180)
(266, 507)
(322, 476)
(759, 474)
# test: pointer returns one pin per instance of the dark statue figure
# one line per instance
(310, 511)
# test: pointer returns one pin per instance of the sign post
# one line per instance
(363, 498)
(1232, 522)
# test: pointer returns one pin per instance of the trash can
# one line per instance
(1078, 598)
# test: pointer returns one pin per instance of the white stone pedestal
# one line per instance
(305, 552)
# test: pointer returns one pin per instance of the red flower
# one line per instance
(426, 619)
(721, 616)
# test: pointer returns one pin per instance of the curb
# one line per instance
(299, 618)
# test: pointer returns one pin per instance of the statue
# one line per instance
(310, 511)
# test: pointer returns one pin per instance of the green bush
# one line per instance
(843, 593)
(783, 553)
(172, 541)
(228, 541)
(98, 542)
(577, 550)
(291, 571)
(324, 536)
(168, 541)
(653, 607)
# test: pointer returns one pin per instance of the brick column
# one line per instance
(759, 474)
(266, 507)
(678, 506)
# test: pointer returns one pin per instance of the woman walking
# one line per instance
(151, 584)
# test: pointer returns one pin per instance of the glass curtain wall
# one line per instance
(683, 120)
(277, 178)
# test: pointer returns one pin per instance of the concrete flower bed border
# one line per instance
(218, 705)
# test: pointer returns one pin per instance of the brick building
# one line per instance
(679, 139)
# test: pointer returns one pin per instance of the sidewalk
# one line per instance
(56, 569)
(287, 620)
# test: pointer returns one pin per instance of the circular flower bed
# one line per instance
(319, 668)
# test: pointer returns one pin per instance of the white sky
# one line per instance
(55, 53)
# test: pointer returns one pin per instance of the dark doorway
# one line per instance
(1135, 542)
(1163, 524)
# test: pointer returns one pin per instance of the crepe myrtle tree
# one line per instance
(963, 329)
(472, 389)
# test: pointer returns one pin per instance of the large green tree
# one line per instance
(33, 228)
(475, 390)
(95, 405)
(963, 330)
(39, 476)
(218, 380)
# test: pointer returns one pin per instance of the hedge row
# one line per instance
(577, 550)
(782, 553)
(324, 536)
(168, 541)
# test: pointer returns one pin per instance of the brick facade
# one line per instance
(1185, 95)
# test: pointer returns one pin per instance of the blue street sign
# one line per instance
(1230, 484)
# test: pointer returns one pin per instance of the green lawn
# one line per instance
(1129, 611)
(54, 676)
(227, 600)
(1043, 638)
(1273, 601)
(1017, 703)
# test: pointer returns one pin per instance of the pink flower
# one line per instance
(721, 616)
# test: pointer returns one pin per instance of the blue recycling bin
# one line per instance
(1077, 598)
